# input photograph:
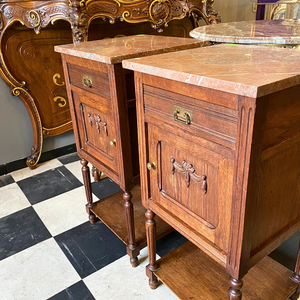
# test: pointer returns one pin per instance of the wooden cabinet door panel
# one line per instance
(96, 129)
(192, 183)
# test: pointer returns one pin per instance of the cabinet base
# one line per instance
(192, 274)
(110, 211)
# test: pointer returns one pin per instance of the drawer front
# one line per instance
(192, 183)
(90, 80)
(95, 128)
(211, 121)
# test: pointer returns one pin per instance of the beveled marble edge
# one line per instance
(244, 40)
(215, 83)
(120, 58)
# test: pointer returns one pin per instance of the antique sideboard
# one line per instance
(29, 30)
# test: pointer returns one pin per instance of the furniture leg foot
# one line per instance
(132, 248)
(153, 281)
(235, 292)
(133, 253)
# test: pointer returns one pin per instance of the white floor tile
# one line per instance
(12, 199)
(26, 172)
(75, 169)
(37, 273)
(63, 212)
(120, 281)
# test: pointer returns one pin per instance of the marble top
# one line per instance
(251, 32)
(112, 51)
(252, 71)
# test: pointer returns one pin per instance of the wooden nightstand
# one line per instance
(102, 104)
(219, 158)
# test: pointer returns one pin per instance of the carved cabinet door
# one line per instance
(192, 183)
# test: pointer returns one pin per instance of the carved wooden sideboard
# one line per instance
(33, 71)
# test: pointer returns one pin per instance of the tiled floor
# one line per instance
(48, 249)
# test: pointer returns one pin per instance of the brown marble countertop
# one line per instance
(112, 51)
(252, 71)
(280, 32)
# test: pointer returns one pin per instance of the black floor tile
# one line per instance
(90, 247)
(77, 291)
(21, 230)
(169, 242)
(67, 159)
(48, 184)
(286, 253)
(5, 180)
(105, 188)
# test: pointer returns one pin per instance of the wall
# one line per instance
(235, 10)
(16, 137)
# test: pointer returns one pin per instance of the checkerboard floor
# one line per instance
(48, 249)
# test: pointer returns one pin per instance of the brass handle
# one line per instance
(87, 81)
(182, 115)
(151, 166)
(113, 143)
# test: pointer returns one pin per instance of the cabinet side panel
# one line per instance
(276, 208)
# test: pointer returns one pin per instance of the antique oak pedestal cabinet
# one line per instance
(102, 104)
(219, 142)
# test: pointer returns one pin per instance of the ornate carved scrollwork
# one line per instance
(97, 121)
(34, 20)
(206, 12)
(33, 159)
(79, 20)
(189, 172)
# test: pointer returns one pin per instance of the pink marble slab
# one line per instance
(281, 32)
(252, 71)
(112, 51)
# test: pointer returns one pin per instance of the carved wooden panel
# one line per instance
(31, 59)
(96, 129)
(185, 172)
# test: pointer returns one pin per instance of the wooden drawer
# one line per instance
(211, 121)
(192, 183)
(90, 80)
(95, 128)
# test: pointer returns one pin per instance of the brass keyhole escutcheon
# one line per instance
(113, 143)
(151, 166)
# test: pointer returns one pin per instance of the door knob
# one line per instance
(151, 166)
(113, 143)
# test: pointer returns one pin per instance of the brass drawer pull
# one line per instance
(113, 143)
(182, 115)
(87, 81)
(151, 166)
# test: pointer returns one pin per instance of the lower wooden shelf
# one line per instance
(110, 211)
(192, 274)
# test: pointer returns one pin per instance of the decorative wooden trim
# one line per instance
(241, 173)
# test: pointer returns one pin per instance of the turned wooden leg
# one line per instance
(96, 174)
(151, 242)
(235, 292)
(88, 190)
(132, 248)
(296, 276)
